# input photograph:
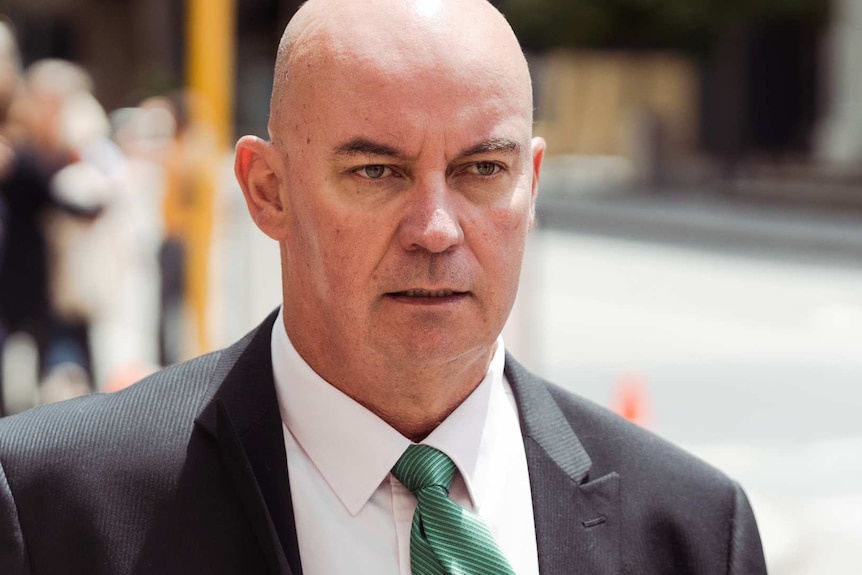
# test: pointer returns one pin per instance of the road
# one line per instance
(749, 361)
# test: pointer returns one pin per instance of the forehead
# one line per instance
(406, 77)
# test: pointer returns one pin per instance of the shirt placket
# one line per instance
(403, 506)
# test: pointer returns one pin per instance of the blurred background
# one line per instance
(697, 266)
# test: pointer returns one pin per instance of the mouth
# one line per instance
(428, 297)
(426, 293)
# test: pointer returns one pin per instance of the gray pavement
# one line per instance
(749, 360)
(704, 219)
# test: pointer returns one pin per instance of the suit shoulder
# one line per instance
(158, 407)
(681, 515)
(616, 444)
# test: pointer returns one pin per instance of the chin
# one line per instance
(435, 348)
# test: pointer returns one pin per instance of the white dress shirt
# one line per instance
(352, 515)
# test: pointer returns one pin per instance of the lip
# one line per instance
(426, 297)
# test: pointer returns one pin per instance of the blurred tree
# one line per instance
(687, 25)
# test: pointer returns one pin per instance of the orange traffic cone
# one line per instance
(632, 401)
(126, 375)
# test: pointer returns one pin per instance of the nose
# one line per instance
(431, 219)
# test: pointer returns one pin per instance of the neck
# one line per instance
(412, 397)
(415, 401)
(416, 409)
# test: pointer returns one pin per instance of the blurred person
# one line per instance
(10, 78)
(42, 124)
(81, 261)
(400, 183)
(188, 208)
(10, 67)
(80, 269)
(10, 72)
(128, 237)
(159, 131)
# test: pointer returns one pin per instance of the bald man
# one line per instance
(377, 404)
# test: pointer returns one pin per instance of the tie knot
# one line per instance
(422, 466)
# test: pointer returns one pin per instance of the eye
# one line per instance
(373, 171)
(486, 168)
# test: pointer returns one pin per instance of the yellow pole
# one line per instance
(210, 63)
(210, 81)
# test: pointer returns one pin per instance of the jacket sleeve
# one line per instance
(746, 551)
(13, 556)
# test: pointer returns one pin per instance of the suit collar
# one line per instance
(243, 381)
(242, 416)
(544, 424)
(577, 517)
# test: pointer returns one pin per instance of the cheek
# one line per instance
(348, 249)
(498, 242)
(509, 223)
(508, 235)
(308, 250)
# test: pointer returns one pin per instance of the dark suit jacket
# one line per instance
(186, 473)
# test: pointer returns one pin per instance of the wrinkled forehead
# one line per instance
(408, 49)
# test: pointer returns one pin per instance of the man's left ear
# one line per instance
(537, 152)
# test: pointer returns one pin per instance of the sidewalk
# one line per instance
(701, 217)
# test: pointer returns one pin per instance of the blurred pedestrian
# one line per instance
(128, 236)
(189, 204)
(374, 423)
(42, 123)
(10, 78)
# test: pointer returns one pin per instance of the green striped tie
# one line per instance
(445, 539)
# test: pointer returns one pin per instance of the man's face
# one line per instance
(408, 188)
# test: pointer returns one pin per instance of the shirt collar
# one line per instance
(354, 449)
(468, 436)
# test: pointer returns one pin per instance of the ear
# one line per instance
(537, 150)
(256, 167)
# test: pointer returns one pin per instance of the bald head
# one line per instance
(400, 40)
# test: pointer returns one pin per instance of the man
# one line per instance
(400, 182)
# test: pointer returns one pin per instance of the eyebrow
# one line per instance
(492, 145)
(364, 146)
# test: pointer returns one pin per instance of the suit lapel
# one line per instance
(577, 517)
(244, 419)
